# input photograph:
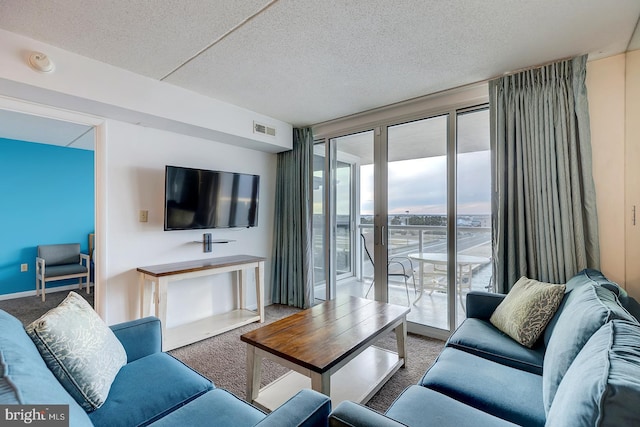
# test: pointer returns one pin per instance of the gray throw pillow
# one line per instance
(80, 350)
(526, 310)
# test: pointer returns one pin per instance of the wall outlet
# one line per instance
(144, 216)
(24, 267)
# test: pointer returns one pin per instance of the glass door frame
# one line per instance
(331, 157)
(354, 206)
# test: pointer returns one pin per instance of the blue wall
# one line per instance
(46, 197)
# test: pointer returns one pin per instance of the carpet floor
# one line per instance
(222, 360)
(28, 309)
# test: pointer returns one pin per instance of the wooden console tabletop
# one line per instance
(159, 276)
(317, 343)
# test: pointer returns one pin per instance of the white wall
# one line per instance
(606, 92)
(632, 169)
(135, 161)
(614, 107)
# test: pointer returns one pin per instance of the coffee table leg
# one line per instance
(401, 339)
(321, 383)
(254, 373)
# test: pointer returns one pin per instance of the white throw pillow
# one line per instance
(80, 350)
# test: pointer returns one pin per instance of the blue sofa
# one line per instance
(584, 371)
(153, 388)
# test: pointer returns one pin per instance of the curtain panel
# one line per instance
(544, 202)
(292, 264)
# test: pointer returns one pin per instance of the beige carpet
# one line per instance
(28, 309)
(222, 359)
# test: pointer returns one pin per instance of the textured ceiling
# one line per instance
(308, 61)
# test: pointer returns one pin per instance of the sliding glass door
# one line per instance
(337, 228)
(402, 215)
(417, 217)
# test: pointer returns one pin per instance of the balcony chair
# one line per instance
(396, 267)
(60, 262)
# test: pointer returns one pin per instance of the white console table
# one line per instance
(155, 279)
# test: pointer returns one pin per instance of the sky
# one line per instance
(419, 186)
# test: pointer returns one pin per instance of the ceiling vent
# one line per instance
(263, 129)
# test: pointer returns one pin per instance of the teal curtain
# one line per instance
(544, 202)
(292, 266)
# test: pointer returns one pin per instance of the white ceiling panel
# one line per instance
(25, 127)
(308, 61)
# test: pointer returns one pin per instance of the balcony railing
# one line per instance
(406, 239)
(402, 241)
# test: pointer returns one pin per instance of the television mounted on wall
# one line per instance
(201, 199)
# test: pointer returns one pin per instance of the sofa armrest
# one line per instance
(349, 414)
(305, 409)
(140, 337)
(481, 305)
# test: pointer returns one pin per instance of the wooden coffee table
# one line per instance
(328, 348)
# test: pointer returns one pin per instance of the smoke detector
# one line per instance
(41, 62)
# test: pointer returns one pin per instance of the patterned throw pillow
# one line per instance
(80, 350)
(526, 310)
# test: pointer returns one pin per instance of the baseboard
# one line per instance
(49, 290)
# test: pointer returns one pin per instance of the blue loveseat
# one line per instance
(584, 371)
(153, 388)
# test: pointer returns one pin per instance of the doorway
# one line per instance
(37, 126)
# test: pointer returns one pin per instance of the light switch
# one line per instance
(144, 216)
(24, 267)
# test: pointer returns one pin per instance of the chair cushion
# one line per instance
(526, 310)
(216, 408)
(25, 378)
(63, 270)
(586, 309)
(147, 389)
(80, 349)
(602, 385)
(480, 337)
(504, 392)
(68, 253)
(417, 404)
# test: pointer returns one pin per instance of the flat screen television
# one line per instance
(200, 198)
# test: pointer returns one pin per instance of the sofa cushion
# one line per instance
(583, 278)
(502, 391)
(479, 337)
(25, 378)
(216, 407)
(526, 310)
(417, 404)
(80, 350)
(148, 389)
(602, 385)
(629, 303)
(585, 310)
